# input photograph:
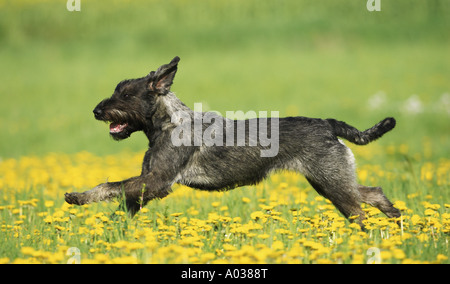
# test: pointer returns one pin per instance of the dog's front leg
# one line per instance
(101, 192)
(146, 187)
(136, 191)
(158, 175)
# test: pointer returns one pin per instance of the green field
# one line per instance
(309, 58)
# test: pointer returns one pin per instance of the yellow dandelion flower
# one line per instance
(101, 258)
(204, 258)
(125, 260)
(432, 206)
(324, 261)
(400, 205)
(246, 200)
(266, 207)
(277, 245)
(229, 247)
(398, 253)
(439, 258)
(264, 236)
(415, 219)
(48, 219)
(60, 228)
(429, 212)
(385, 255)
(423, 237)
(27, 250)
(358, 259)
(354, 226)
(257, 215)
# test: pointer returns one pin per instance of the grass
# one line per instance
(281, 220)
(310, 58)
(56, 65)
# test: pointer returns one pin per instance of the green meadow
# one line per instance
(327, 59)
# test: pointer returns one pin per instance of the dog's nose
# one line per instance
(97, 112)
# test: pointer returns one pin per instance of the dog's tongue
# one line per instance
(116, 127)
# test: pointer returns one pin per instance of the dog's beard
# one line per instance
(119, 128)
(121, 124)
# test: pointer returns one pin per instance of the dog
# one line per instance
(179, 153)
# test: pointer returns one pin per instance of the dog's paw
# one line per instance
(73, 198)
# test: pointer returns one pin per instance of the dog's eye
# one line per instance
(127, 95)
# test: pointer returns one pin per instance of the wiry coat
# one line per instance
(306, 145)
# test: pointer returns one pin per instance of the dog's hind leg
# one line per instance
(375, 197)
(333, 176)
(343, 198)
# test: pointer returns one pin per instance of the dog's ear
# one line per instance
(161, 80)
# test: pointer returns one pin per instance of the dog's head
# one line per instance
(132, 105)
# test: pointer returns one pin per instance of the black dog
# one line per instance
(207, 151)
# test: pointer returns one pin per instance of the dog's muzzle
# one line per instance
(98, 113)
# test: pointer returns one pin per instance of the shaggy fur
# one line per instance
(306, 145)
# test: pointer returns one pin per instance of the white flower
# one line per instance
(413, 105)
(377, 100)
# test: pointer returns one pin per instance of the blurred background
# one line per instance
(299, 57)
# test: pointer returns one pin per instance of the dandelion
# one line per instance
(264, 236)
(398, 254)
(432, 206)
(430, 212)
(246, 200)
(125, 260)
(291, 224)
(48, 219)
(277, 245)
(229, 247)
(400, 205)
(423, 237)
(377, 100)
(353, 217)
(413, 105)
(266, 207)
(440, 257)
(27, 250)
(257, 215)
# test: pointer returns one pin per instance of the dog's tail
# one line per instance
(353, 135)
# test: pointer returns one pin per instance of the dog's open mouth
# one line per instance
(115, 128)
